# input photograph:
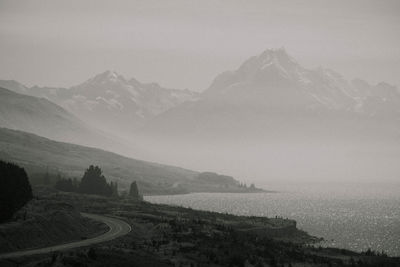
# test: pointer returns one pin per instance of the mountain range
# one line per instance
(108, 101)
(272, 119)
(271, 90)
(257, 119)
(265, 90)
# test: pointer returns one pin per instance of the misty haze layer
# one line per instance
(271, 119)
(274, 119)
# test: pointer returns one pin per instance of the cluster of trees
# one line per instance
(94, 182)
(223, 180)
(67, 185)
(243, 185)
(215, 178)
(15, 189)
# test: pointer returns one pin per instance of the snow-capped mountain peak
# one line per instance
(277, 56)
(110, 94)
(275, 77)
(273, 67)
(270, 58)
(106, 77)
(109, 98)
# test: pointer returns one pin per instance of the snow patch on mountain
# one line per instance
(108, 99)
(274, 75)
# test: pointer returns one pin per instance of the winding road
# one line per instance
(117, 228)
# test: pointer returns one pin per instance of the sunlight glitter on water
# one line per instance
(357, 219)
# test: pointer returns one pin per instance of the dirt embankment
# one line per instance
(43, 223)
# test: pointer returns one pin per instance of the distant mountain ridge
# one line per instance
(267, 86)
(271, 118)
(268, 114)
(274, 70)
(109, 100)
(273, 87)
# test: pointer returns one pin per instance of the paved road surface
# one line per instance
(117, 228)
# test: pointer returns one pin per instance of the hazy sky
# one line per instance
(185, 44)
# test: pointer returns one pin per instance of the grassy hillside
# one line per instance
(37, 155)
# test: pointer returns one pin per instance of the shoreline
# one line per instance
(314, 219)
(165, 235)
(188, 193)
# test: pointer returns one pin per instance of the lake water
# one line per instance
(355, 217)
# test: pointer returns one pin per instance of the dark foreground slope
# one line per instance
(43, 223)
(172, 236)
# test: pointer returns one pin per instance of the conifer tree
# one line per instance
(93, 182)
(134, 191)
(15, 189)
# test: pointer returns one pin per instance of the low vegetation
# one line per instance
(165, 235)
(44, 222)
(161, 235)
